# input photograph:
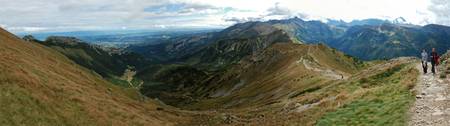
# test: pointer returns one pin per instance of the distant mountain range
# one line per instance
(370, 21)
(372, 38)
(365, 39)
(389, 40)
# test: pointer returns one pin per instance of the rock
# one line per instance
(438, 112)
(109, 91)
(440, 98)
(227, 118)
(29, 38)
(419, 96)
(261, 116)
(159, 108)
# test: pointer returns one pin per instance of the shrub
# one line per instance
(443, 75)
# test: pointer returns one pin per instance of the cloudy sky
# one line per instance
(74, 15)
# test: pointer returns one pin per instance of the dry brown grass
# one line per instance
(393, 79)
(39, 86)
(276, 74)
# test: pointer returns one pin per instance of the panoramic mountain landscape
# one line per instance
(196, 63)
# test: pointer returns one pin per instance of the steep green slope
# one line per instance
(40, 86)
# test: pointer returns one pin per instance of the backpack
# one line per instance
(435, 58)
(438, 60)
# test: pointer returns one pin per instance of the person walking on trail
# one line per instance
(424, 61)
(434, 60)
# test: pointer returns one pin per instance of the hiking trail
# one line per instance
(432, 105)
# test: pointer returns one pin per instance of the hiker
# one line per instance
(434, 60)
(424, 61)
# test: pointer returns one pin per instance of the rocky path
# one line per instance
(432, 106)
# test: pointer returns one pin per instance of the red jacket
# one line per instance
(434, 58)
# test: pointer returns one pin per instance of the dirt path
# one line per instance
(432, 106)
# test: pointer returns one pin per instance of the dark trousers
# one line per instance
(425, 66)
(433, 68)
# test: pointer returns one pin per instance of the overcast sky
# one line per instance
(75, 15)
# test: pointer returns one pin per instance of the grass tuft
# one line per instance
(383, 104)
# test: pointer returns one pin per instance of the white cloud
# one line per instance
(360, 9)
(27, 29)
(441, 11)
(57, 15)
(336, 9)
(279, 10)
(276, 11)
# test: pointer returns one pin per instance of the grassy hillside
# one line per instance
(295, 84)
(39, 86)
(110, 65)
(283, 70)
(444, 68)
(382, 98)
(379, 94)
